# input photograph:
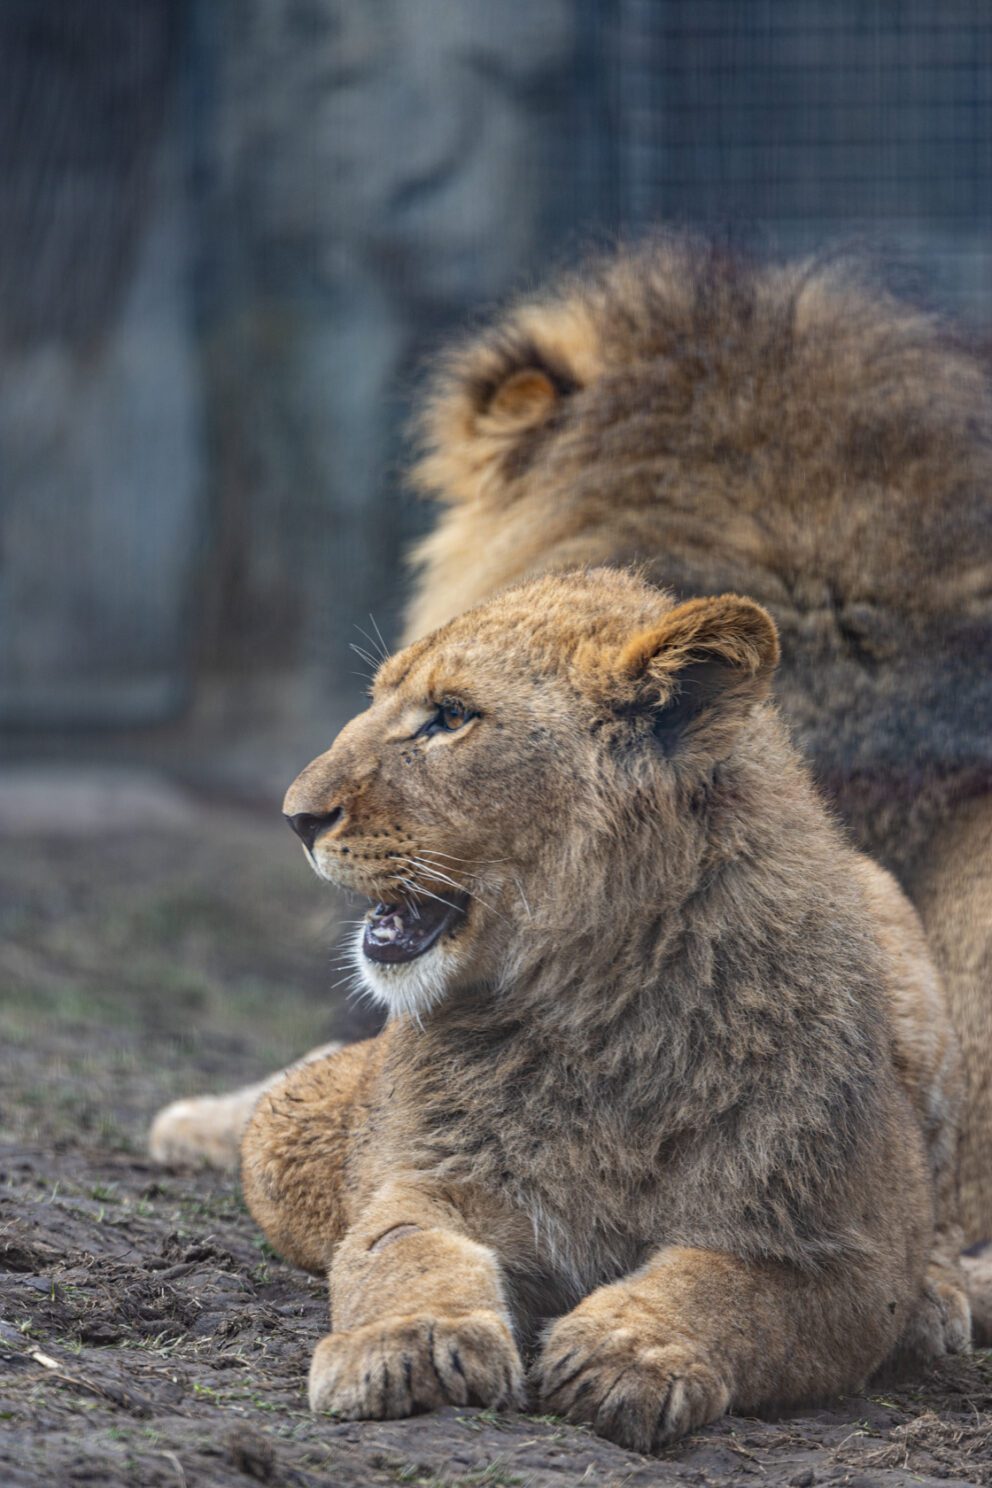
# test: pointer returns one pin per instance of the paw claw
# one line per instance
(391, 1369)
(639, 1396)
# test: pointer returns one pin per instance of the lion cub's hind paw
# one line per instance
(405, 1365)
(204, 1131)
(955, 1315)
(939, 1325)
(640, 1397)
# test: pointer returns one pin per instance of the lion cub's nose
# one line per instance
(309, 827)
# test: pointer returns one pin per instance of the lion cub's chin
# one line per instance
(411, 988)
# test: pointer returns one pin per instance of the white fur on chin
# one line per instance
(406, 988)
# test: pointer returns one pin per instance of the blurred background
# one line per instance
(233, 229)
(231, 232)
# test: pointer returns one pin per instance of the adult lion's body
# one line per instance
(657, 1030)
(803, 440)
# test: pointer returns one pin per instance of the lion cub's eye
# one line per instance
(448, 717)
(453, 714)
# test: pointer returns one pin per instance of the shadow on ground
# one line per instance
(147, 1334)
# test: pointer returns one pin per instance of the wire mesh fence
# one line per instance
(815, 122)
(234, 230)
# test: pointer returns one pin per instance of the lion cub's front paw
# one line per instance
(639, 1395)
(408, 1364)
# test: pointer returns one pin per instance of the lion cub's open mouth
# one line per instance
(401, 932)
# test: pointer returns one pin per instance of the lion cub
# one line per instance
(640, 1073)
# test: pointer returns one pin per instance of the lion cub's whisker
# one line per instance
(352, 980)
(369, 660)
(435, 852)
(460, 888)
(416, 889)
(437, 873)
(386, 653)
(523, 896)
(379, 649)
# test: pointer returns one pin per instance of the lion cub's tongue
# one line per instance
(396, 932)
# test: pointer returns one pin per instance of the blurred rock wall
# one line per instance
(231, 229)
(373, 171)
(101, 480)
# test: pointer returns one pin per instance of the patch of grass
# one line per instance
(159, 1343)
(207, 1392)
(224, 1205)
(484, 1418)
(262, 1403)
(495, 1475)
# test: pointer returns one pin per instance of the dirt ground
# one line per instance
(147, 1334)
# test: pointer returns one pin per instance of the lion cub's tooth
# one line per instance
(387, 930)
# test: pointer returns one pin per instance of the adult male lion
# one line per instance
(792, 435)
(653, 1043)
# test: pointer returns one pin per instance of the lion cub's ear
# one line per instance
(700, 671)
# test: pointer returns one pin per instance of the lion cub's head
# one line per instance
(528, 777)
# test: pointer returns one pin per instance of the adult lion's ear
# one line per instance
(493, 398)
(524, 399)
(519, 390)
(700, 670)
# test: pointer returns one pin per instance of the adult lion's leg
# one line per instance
(695, 1333)
(952, 890)
(928, 1061)
(206, 1130)
(295, 1149)
(420, 1314)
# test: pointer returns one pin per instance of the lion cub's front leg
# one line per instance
(418, 1308)
(419, 1314)
(696, 1333)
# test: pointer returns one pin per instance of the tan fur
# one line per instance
(648, 1084)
